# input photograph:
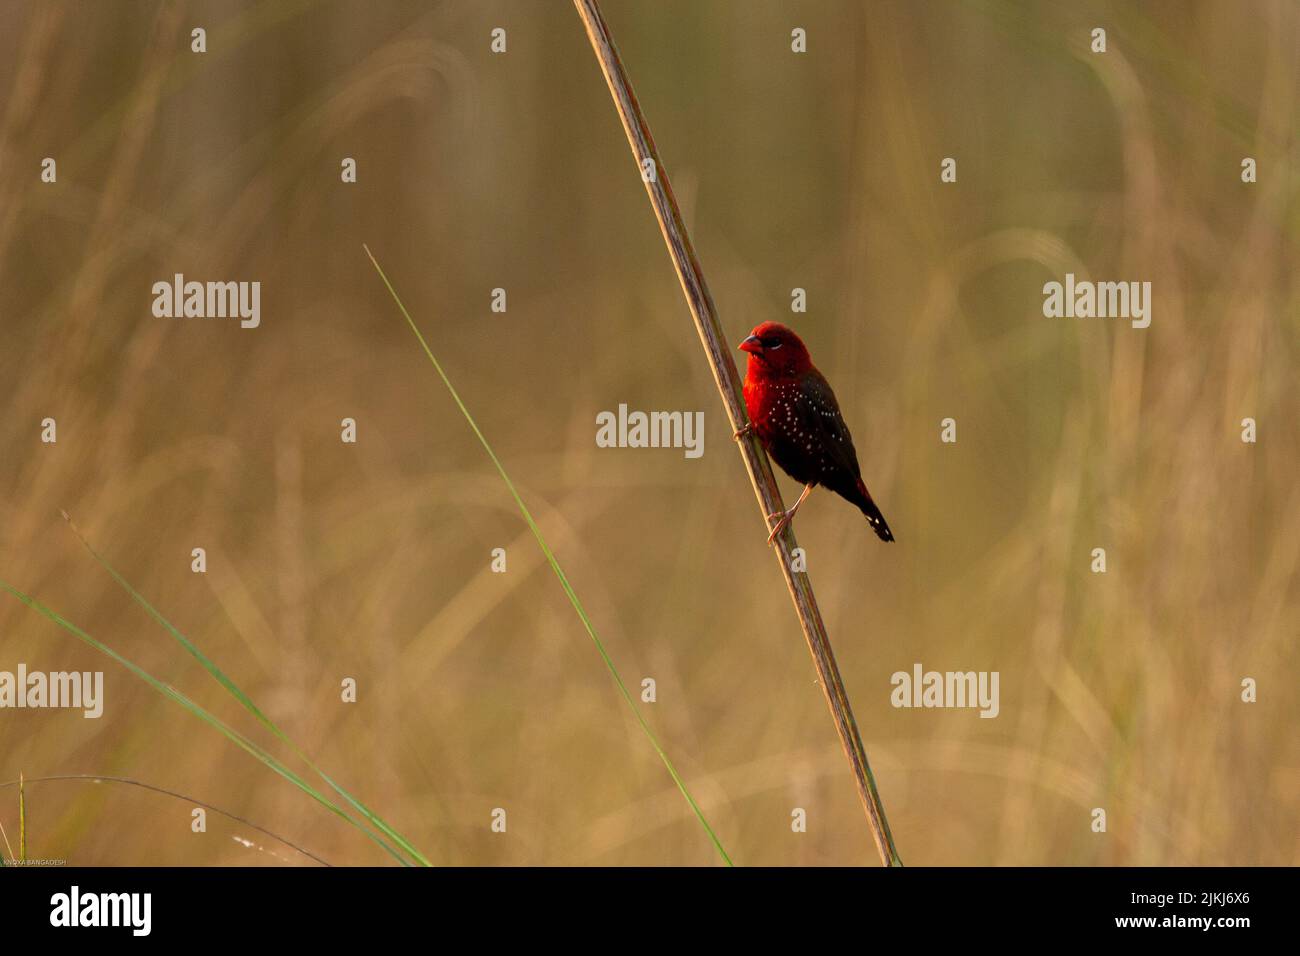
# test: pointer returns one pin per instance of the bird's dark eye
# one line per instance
(771, 343)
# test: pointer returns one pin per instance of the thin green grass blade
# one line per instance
(220, 676)
(22, 822)
(192, 801)
(555, 566)
(9, 850)
(211, 719)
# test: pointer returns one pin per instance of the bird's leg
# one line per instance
(747, 429)
(786, 516)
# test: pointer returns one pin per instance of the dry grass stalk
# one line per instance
(718, 350)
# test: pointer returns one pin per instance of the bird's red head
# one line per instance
(775, 350)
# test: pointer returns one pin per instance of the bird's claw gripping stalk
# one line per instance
(746, 429)
(784, 519)
(786, 516)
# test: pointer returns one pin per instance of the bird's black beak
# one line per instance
(753, 345)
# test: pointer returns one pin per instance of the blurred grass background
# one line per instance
(820, 171)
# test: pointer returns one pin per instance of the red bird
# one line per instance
(794, 413)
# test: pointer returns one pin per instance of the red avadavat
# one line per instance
(796, 417)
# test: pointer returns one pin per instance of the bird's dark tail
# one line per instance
(877, 521)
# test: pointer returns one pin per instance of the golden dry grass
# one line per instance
(476, 171)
